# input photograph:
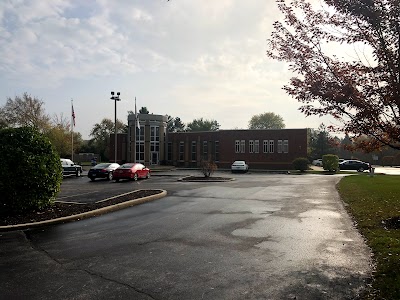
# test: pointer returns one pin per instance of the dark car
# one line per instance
(70, 168)
(102, 170)
(131, 171)
(357, 165)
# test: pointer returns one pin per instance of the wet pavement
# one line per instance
(261, 236)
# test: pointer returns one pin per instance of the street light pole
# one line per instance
(115, 98)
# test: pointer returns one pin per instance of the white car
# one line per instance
(70, 168)
(317, 162)
(239, 166)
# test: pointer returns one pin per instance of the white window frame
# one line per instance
(237, 146)
(265, 146)
(271, 146)
(251, 146)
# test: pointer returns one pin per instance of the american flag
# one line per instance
(73, 114)
(137, 117)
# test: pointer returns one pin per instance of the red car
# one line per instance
(131, 171)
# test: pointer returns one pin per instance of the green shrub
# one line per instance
(207, 168)
(301, 164)
(30, 170)
(330, 162)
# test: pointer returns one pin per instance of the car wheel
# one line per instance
(361, 169)
(92, 178)
(117, 180)
(78, 173)
(148, 175)
(110, 176)
(135, 177)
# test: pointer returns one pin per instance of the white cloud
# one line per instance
(186, 58)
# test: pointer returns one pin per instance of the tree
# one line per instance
(267, 120)
(144, 110)
(202, 125)
(345, 144)
(24, 111)
(30, 170)
(175, 124)
(361, 91)
(207, 168)
(101, 135)
(60, 136)
(321, 142)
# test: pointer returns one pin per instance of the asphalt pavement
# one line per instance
(261, 236)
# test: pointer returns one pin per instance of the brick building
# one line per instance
(273, 149)
(146, 145)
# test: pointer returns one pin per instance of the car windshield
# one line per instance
(99, 166)
(126, 166)
(239, 162)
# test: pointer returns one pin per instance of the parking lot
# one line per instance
(261, 236)
(81, 189)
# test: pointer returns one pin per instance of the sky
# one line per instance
(186, 58)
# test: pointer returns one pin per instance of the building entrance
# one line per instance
(154, 158)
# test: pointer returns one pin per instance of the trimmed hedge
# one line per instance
(330, 162)
(301, 164)
(30, 170)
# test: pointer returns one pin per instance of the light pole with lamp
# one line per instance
(115, 98)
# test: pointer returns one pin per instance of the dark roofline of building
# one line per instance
(194, 132)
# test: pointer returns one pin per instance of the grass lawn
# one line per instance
(374, 203)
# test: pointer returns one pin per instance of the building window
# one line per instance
(154, 139)
(271, 146)
(237, 146)
(279, 146)
(216, 150)
(265, 146)
(285, 146)
(194, 154)
(205, 150)
(154, 133)
(251, 146)
(140, 151)
(256, 146)
(140, 133)
(243, 146)
(181, 151)
(169, 155)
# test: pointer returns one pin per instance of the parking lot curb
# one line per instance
(183, 179)
(85, 215)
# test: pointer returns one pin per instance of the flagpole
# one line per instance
(72, 130)
(135, 131)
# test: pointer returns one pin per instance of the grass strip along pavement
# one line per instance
(374, 202)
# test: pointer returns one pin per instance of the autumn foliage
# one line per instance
(345, 55)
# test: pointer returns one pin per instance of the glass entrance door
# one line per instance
(154, 158)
